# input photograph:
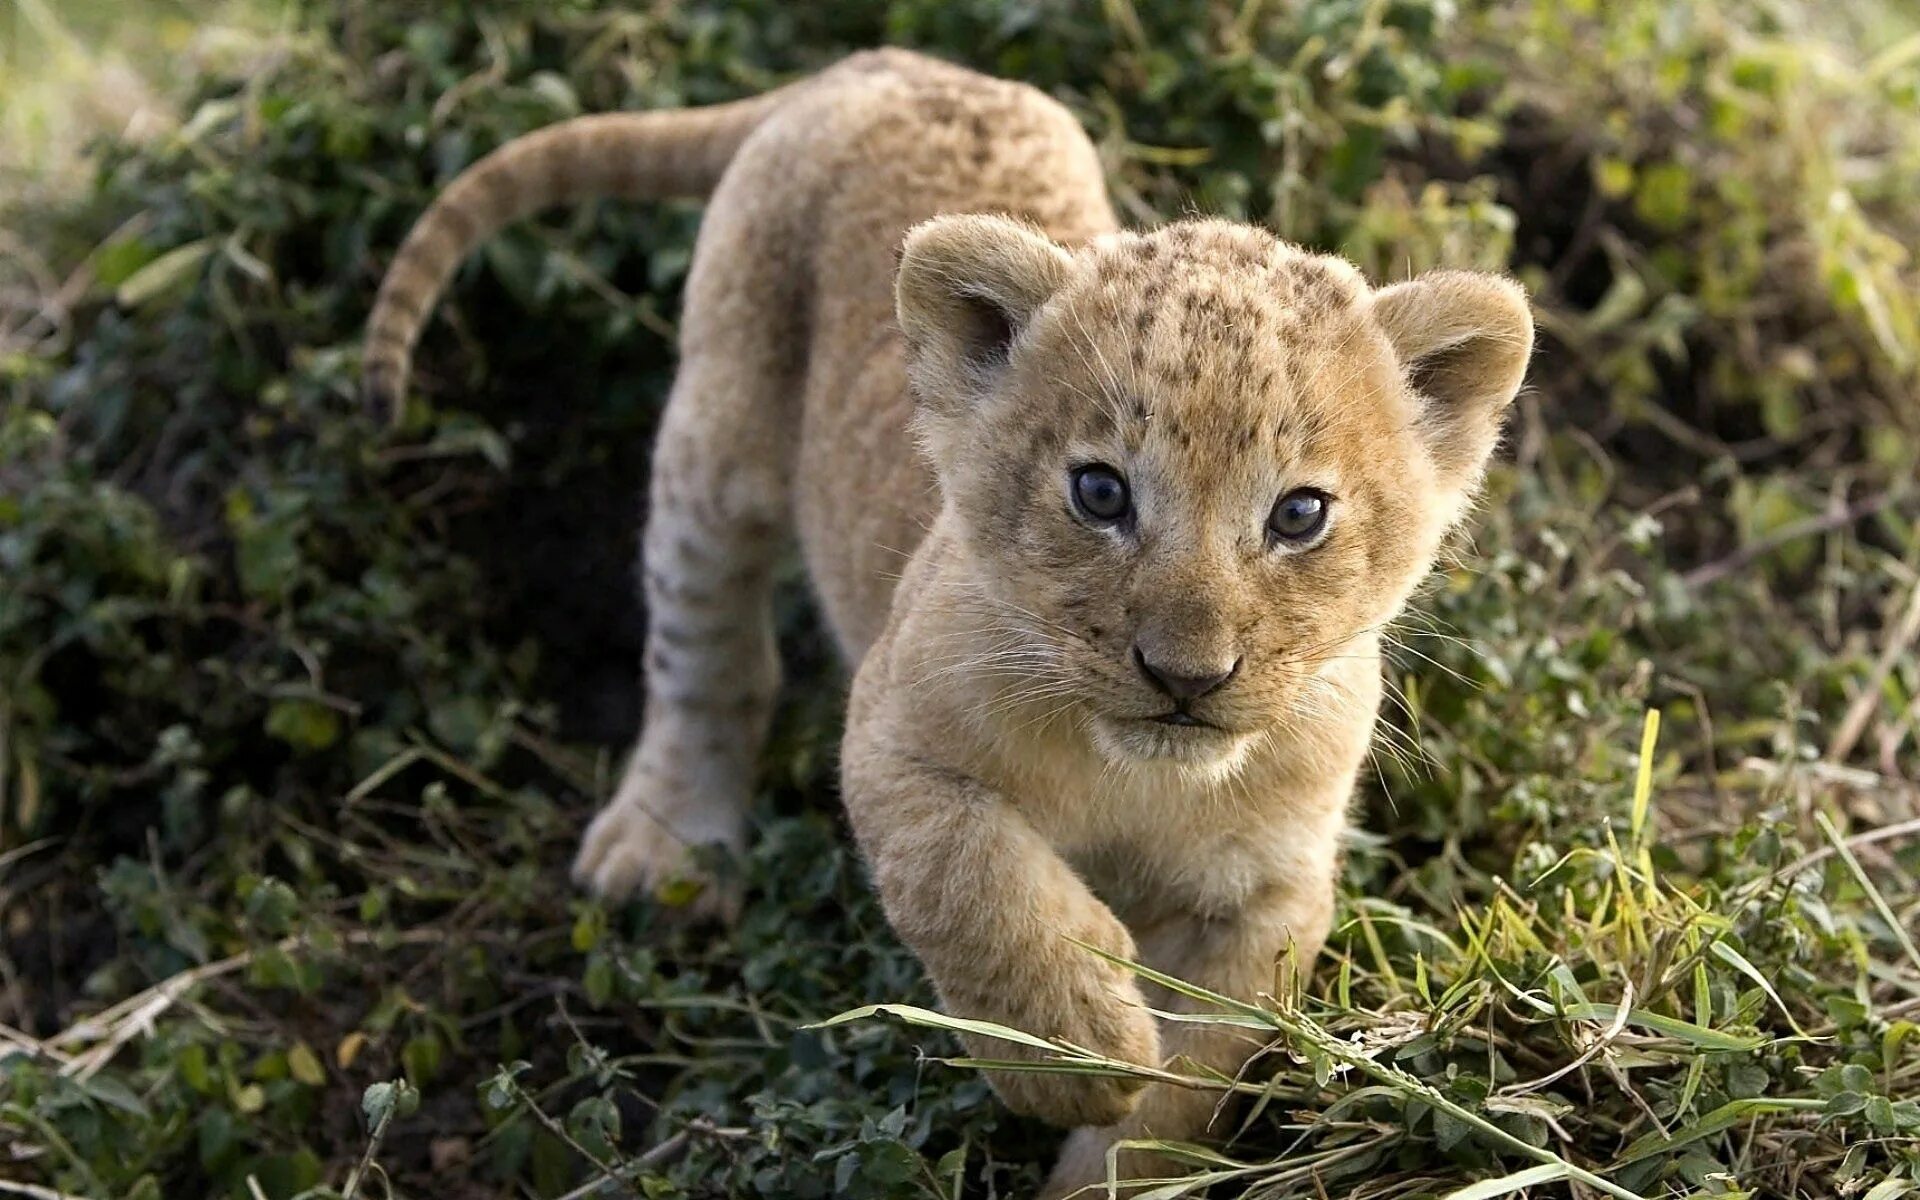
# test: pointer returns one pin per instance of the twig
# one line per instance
(1827, 774)
(374, 1139)
(1899, 640)
(19, 852)
(121, 1023)
(1884, 833)
(666, 1152)
(36, 1191)
(609, 1173)
(557, 760)
(14, 1041)
(135, 1016)
(1740, 559)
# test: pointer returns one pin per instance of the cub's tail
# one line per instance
(640, 156)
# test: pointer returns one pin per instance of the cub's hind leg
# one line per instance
(713, 529)
(717, 517)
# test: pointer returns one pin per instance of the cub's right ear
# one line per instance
(967, 287)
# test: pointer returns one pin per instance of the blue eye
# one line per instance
(1100, 494)
(1299, 516)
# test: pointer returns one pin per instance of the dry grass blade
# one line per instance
(1507, 1185)
(1894, 924)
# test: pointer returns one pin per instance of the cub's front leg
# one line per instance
(1280, 930)
(993, 912)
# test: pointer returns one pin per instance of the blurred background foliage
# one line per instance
(299, 718)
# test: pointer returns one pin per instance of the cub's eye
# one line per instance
(1299, 515)
(1100, 494)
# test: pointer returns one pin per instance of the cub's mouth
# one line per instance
(1177, 739)
(1180, 718)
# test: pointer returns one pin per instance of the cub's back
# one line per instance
(876, 145)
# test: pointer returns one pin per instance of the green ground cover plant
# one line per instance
(300, 717)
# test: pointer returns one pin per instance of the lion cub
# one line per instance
(1157, 494)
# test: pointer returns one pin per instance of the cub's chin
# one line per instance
(1207, 752)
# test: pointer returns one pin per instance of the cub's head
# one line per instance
(1191, 468)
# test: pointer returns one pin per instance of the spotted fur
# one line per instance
(910, 392)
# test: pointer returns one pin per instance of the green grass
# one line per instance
(299, 719)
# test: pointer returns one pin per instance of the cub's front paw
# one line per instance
(1098, 1008)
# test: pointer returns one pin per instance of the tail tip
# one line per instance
(382, 390)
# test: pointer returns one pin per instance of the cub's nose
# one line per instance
(1181, 687)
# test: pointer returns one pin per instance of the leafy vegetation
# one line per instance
(299, 718)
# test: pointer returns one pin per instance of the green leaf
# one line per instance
(271, 906)
(1662, 195)
(421, 1056)
(1738, 962)
(382, 1102)
(165, 274)
(306, 725)
(111, 1091)
(1718, 1121)
(304, 1065)
(1686, 1031)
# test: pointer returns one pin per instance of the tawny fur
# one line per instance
(1002, 768)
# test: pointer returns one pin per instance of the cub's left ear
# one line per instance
(1463, 339)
